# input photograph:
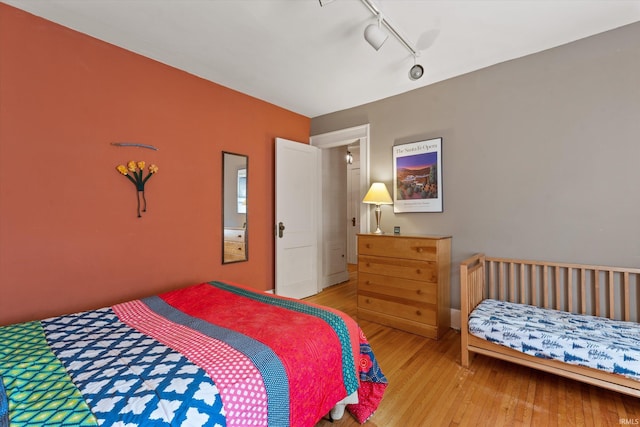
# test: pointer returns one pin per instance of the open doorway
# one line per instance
(329, 246)
(354, 201)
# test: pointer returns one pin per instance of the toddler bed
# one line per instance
(578, 321)
(212, 354)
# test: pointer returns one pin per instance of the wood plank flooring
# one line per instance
(429, 387)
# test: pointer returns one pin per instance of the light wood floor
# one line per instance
(429, 387)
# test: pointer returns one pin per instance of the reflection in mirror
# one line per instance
(235, 172)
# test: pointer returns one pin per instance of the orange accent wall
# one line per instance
(70, 238)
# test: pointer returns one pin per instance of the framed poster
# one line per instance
(417, 176)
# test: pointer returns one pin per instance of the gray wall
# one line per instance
(541, 155)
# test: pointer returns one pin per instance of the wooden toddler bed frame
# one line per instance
(586, 289)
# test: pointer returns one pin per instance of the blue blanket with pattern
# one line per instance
(595, 342)
(210, 355)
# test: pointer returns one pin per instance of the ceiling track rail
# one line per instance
(389, 26)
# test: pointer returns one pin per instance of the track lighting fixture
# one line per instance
(416, 71)
(374, 35)
(382, 20)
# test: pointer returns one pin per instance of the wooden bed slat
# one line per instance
(583, 292)
(534, 285)
(501, 281)
(545, 285)
(558, 295)
(627, 297)
(612, 300)
(521, 280)
(570, 289)
(492, 279)
(597, 291)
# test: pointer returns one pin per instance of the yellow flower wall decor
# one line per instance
(134, 172)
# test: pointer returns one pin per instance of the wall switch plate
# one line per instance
(396, 230)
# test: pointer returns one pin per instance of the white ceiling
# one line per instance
(314, 60)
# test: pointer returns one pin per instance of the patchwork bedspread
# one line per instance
(207, 355)
(595, 342)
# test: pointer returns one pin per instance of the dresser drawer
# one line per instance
(234, 235)
(419, 328)
(403, 268)
(403, 282)
(395, 288)
(417, 312)
(234, 251)
(398, 247)
(234, 248)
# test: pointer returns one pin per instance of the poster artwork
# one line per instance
(417, 176)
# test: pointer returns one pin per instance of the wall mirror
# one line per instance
(235, 174)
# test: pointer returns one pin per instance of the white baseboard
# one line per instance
(270, 291)
(455, 319)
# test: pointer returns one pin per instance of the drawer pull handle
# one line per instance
(368, 265)
(368, 246)
(418, 271)
(419, 250)
(368, 282)
(367, 301)
(419, 291)
(418, 312)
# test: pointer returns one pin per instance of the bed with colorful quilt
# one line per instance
(211, 354)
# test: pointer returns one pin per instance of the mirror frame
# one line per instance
(234, 183)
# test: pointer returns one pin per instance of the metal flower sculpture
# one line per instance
(134, 171)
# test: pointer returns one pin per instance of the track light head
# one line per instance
(416, 72)
(374, 35)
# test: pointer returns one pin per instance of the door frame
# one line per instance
(352, 250)
(339, 138)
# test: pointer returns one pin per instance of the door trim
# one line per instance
(341, 138)
(348, 136)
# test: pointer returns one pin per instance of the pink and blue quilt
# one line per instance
(211, 354)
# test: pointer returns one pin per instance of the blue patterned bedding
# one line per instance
(596, 342)
(196, 356)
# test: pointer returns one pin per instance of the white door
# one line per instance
(297, 218)
(353, 214)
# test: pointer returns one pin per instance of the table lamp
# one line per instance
(378, 195)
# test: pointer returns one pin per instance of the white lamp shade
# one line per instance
(374, 35)
(378, 195)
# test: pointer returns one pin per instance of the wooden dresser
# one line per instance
(234, 244)
(403, 282)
